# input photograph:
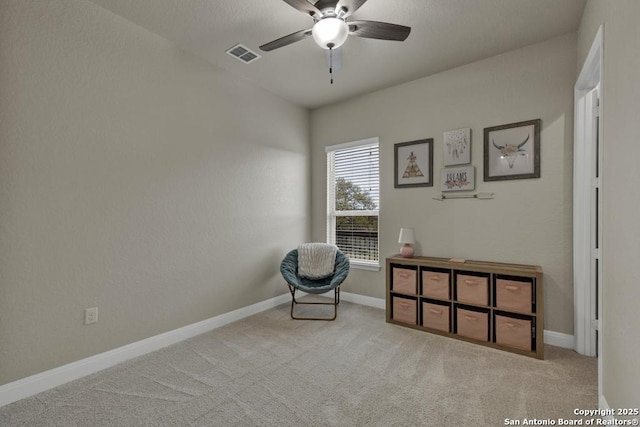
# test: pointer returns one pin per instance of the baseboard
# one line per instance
(363, 300)
(602, 402)
(608, 414)
(43, 381)
(550, 337)
(559, 339)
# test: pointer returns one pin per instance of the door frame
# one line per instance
(584, 276)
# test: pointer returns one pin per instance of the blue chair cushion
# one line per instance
(289, 270)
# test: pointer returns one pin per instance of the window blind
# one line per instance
(353, 199)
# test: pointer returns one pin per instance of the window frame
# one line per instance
(333, 214)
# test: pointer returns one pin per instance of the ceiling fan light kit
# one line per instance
(330, 32)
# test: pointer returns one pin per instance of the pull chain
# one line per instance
(331, 61)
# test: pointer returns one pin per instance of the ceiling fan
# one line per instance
(331, 28)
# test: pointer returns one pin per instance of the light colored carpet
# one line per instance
(269, 370)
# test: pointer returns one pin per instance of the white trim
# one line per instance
(591, 73)
(584, 222)
(591, 76)
(550, 337)
(362, 265)
(363, 300)
(357, 213)
(374, 141)
(604, 405)
(43, 381)
(602, 402)
(559, 339)
(332, 214)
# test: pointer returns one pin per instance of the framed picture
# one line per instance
(457, 147)
(458, 179)
(512, 151)
(413, 164)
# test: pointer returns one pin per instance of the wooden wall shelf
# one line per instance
(488, 303)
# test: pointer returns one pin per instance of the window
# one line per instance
(353, 199)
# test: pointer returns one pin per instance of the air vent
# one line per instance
(243, 53)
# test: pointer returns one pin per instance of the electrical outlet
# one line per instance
(91, 315)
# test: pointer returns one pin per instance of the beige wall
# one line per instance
(135, 178)
(621, 233)
(529, 221)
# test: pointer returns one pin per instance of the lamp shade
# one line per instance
(406, 236)
(330, 33)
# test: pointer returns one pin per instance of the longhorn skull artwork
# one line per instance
(511, 151)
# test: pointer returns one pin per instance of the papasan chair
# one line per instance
(315, 268)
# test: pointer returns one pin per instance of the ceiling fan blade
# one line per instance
(350, 5)
(304, 6)
(378, 30)
(286, 40)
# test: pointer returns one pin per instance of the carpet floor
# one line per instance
(269, 370)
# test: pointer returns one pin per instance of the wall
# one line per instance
(621, 234)
(529, 221)
(136, 178)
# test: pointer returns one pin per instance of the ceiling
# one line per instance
(445, 34)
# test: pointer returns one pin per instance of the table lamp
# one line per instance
(407, 239)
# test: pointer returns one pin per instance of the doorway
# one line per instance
(587, 205)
